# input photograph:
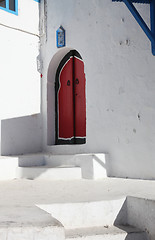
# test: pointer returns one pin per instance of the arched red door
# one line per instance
(70, 100)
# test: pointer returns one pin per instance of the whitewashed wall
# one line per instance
(19, 78)
(120, 72)
(21, 135)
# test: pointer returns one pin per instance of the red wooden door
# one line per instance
(70, 100)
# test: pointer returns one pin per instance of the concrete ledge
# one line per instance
(48, 173)
(93, 165)
(79, 204)
(86, 214)
(106, 233)
(30, 160)
(21, 135)
(31, 166)
(28, 223)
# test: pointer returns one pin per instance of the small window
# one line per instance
(12, 5)
(9, 6)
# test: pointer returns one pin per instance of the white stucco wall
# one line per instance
(27, 18)
(19, 48)
(20, 81)
(21, 135)
(120, 72)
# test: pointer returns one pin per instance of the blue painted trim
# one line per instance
(139, 19)
(149, 33)
(59, 31)
(7, 4)
(135, 1)
(152, 16)
(7, 7)
(37, 1)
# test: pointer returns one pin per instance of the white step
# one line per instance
(28, 223)
(106, 233)
(49, 173)
(61, 167)
(93, 166)
(86, 214)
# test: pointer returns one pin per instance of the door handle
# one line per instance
(68, 83)
(77, 81)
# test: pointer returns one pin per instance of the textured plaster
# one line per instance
(120, 87)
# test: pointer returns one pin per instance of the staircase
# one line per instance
(105, 219)
(62, 167)
(106, 233)
(94, 220)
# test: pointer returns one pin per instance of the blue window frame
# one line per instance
(37, 1)
(10, 6)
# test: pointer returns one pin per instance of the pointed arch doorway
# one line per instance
(70, 100)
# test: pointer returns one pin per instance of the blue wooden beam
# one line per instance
(152, 16)
(135, 1)
(139, 19)
(150, 33)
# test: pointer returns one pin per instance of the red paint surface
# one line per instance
(80, 103)
(65, 94)
(72, 100)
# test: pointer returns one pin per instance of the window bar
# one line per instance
(7, 4)
(152, 16)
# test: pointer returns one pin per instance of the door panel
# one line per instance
(65, 102)
(70, 100)
(79, 102)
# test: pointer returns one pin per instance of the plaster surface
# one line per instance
(28, 193)
(28, 222)
(110, 233)
(120, 87)
(119, 68)
(20, 80)
(21, 135)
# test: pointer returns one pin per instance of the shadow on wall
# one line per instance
(95, 165)
(21, 135)
(121, 219)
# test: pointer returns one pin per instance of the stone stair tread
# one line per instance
(25, 216)
(27, 223)
(80, 232)
(51, 167)
(63, 172)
